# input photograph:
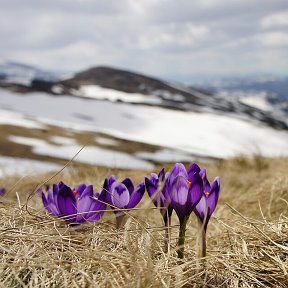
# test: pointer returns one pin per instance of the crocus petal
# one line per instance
(178, 170)
(212, 199)
(193, 169)
(155, 193)
(106, 193)
(111, 180)
(206, 183)
(179, 191)
(52, 204)
(79, 190)
(49, 203)
(128, 183)
(50, 197)
(66, 202)
(96, 210)
(84, 204)
(179, 195)
(200, 208)
(45, 203)
(161, 174)
(195, 190)
(120, 195)
(154, 178)
(150, 187)
(136, 196)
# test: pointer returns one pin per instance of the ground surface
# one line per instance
(247, 237)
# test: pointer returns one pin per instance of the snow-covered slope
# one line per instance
(206, 134)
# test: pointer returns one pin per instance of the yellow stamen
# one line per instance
(206, 194)
(188, 183)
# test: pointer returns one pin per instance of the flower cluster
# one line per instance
(180, 190)
(184, 191)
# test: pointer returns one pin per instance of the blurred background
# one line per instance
(141, 83)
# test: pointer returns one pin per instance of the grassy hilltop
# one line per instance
(247, 235)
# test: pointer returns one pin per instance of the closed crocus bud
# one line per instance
(205, 208)
(74, 205)
(122, 196)
(209, 199)
(156, 188)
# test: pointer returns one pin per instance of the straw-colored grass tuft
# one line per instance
(247, 238)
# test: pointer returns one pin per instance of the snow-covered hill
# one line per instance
(179, 123)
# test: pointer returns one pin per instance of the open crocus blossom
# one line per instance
(122, 196)
(155, 187)
(185, 189)
(206, 207)
(74, 206)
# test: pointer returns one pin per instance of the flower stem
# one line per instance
(181, 239)
(202, 246)
(167, 223)
(119, 220)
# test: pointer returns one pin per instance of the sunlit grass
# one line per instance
(247, 238)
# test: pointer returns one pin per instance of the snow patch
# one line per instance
(166, 155)
(21, 166)
(16, 119)
(100, 93)
(90, 154)
(106, 141)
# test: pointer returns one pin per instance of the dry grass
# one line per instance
(247, 237)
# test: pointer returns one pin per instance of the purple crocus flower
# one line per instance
(184, 188)
(209, 199)
(156, 189)
(122, 195)
(205, 208)
(74, 206)
(2, 191)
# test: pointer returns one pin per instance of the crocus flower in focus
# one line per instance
(185, 189)
(122, 195)
(206, 207)
(2, 191)
(155, 186)
(74, 206)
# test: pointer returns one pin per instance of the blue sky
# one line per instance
(178, 40)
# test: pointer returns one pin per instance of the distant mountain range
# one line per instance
(262, 100)
(270, 89)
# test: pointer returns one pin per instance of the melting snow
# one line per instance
(197, 133)
(20, 166)
(106, 141)
(89, 155)
(100, 93)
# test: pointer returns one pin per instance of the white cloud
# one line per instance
(275, 20)
(273, 38)
(184, 34)
(158, 37)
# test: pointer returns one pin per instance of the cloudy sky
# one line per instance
(171, 39)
